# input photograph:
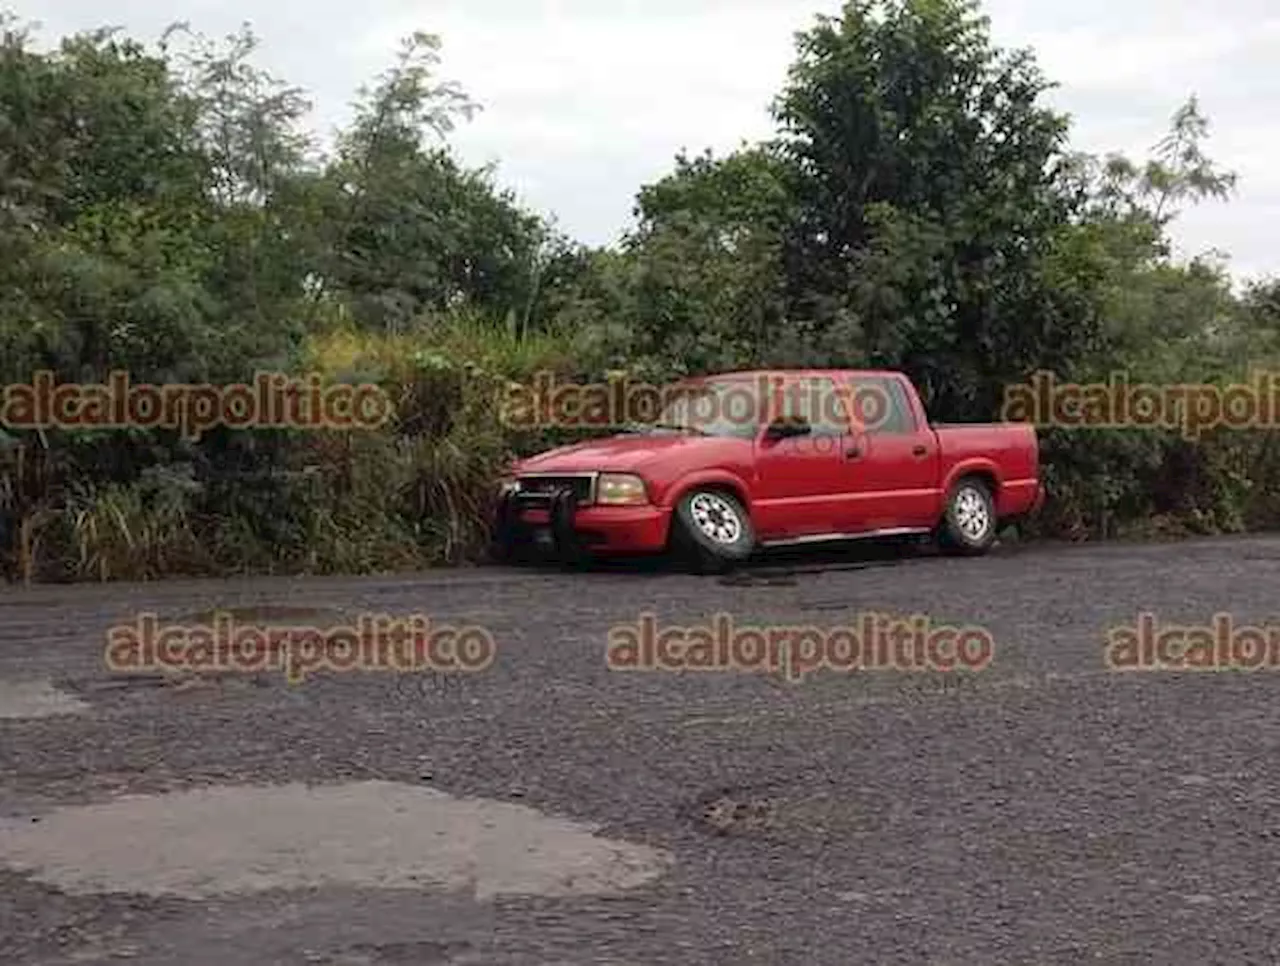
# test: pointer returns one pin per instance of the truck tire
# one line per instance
(969, 524)
(501, 537)
(712, 531)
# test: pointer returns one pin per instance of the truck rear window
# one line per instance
(882, 405)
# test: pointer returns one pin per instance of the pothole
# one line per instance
(789, 811)
(175, 682)
(270, 615)
(737, 813)
(422, 951)
(36, 699)
(266, 617)
(228, 840)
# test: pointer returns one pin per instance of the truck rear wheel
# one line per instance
(712, 531)
(969, 521)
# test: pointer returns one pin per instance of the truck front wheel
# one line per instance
(969, 522)
(712, 531)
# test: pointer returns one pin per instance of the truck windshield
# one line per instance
(730, 408)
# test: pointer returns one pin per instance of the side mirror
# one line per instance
(787, 429)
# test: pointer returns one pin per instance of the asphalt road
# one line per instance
(1042, 811)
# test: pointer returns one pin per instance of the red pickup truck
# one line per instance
(761, 459)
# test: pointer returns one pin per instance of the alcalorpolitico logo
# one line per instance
(274, 401)
(728, 401)
(875, 642)
(375, 642)
(1192, 408)
(1220, 645)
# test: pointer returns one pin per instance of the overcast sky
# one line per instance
(585, 100)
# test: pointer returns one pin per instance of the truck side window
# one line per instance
(817, 402)
(882, 405)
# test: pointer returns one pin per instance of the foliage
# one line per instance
(164, 211)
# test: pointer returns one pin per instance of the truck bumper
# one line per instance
(565, 528)
(1020, 498)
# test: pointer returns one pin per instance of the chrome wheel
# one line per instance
(716, 518)
(971, 514)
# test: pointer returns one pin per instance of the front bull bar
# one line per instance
(511, 532)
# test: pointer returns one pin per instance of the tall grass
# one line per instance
(414, 493)
(418, 492)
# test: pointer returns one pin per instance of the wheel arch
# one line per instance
(717, 481)
(711, 480)
(945, 529)
(984, 471)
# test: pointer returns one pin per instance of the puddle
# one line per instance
(217, 841)
(36, 699)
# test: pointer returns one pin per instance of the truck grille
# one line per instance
(539, 490)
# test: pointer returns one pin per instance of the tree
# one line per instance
(105, 190)
(708, 258)
(412, 230)
(931, 192)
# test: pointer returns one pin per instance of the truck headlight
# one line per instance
(508, 484)
(621, 489)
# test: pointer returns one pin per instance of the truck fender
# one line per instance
(722, 478)
(978, 466)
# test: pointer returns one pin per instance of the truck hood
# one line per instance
(617, 454)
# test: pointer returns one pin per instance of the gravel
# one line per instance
(1044, 810)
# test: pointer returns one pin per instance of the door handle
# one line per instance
(920, 451)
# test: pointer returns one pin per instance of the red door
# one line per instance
(898, 465)
(804, 483)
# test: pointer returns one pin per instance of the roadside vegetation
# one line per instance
(163, 210)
